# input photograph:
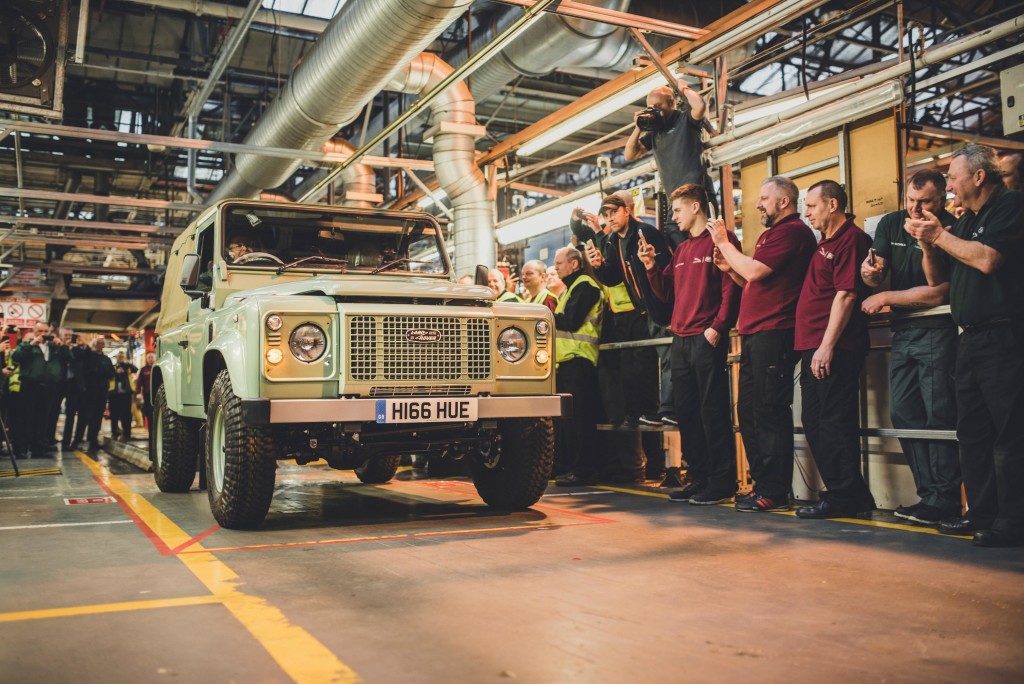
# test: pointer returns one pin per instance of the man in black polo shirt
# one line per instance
(832, 334)
(677, 146)
(986, 295)
(921, 385)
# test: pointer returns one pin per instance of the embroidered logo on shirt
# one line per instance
(702, 260)
(826, 254)
(977, 232)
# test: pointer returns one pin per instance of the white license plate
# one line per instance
(434, 410)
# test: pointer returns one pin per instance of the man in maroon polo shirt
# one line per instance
(832, 334)
(771, 280)
(705, 304)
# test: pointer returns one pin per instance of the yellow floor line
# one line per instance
(72, 611)
(298, 653)
(29, 473)
(919, 529)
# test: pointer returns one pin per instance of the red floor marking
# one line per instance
(146, 529)
(388, 537)
(195, 540)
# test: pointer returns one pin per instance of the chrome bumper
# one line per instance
(274, 411)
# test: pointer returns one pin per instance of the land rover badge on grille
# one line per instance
(423, 335)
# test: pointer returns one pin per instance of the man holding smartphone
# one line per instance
(41, 359)
(921, 388)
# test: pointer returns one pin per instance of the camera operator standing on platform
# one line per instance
(674, 136)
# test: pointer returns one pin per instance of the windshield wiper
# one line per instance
(313, 257)
(390, 264)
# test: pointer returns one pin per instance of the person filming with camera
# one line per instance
(42, 359)
(674, 137)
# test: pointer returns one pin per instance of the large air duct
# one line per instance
(358, 180)
(365, 44)
(454, 133)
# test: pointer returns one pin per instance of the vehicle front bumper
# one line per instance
(274, 411)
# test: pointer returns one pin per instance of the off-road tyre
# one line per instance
(514, 473)
(240, 461)
(173, 446)
(379, 469)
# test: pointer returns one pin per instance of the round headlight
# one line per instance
(543, 328)
(543, 357)
(274, 322)
(308, 342)
(512, 344)
(275, 355)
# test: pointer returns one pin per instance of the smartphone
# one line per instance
(590, 244)
(871, 256)
(712, 214)
(74, 338)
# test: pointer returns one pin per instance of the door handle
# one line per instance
(183, 343)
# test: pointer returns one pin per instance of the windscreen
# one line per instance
(314, 239)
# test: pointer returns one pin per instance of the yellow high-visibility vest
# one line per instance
(583, 342)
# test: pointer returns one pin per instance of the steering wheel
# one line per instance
(254, 256)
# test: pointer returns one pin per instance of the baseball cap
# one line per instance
(613, 202)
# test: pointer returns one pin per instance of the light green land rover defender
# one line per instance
(306, 332)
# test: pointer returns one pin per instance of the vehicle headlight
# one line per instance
(543, 328)
(512, 344)
(274, 322)
(308, 342)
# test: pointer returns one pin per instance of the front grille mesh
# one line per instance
(421, 391)
(380, 350)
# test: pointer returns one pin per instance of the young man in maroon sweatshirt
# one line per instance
(832, 334)
(771, 280)
(705, 305)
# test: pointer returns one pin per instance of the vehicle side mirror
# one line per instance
(480, 276)
(190, 275)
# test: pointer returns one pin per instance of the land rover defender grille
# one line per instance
(421, 391)
(418, 348)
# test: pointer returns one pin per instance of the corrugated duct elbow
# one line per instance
(362, 47)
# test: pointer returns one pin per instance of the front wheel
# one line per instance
(379, 469)
(514, 473)
(240, 461)
(173, 446)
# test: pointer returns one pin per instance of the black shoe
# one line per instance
(673, 478)
(690, 487)
(669, 419)
(574, 480)
(963, 526)
(630, 422)
(926, 515)
(906, 511)
(762, 504)
(827, 509)
(650, 419)
(709, 498)
(998, 538)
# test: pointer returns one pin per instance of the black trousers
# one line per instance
(830, 416)
(73, 413)
(58, 399)
(700, 388)
(923, 396)
(639, 367)
(94, 402)
(765, 406)
(578, 447)
(120, 413)
(990, 424)
(38, 403)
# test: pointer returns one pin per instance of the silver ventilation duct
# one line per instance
(362, 47)
(358, 180)
(454, 119)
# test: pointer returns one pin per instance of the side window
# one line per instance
(204, 247)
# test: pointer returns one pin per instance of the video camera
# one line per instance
(650, 119)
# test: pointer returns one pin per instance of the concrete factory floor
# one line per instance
(417, 581)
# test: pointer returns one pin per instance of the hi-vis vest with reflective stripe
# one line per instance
(618, 298)
(542, 296)
(584, 341)
(507, 296)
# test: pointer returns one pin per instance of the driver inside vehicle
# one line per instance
(238, 244)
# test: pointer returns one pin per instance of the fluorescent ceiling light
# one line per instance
(541, 222)
(752, 28)
(755, 111)
(802, 127)
(582, 119)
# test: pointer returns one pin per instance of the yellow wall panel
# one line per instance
(875, 167)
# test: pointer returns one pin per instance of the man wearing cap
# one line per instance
(986, 298)
(616, 264)
(677, 145)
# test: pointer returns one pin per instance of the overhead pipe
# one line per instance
(358, 180)
(934, 55)
(201, 8)
(362, 47)
(454, 140)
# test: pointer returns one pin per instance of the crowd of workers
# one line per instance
(798, 300)
(44, 374)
